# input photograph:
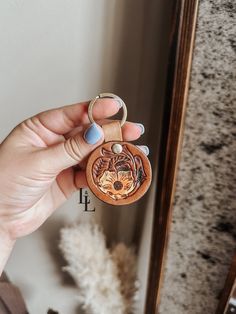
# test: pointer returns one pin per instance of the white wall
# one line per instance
(55, 52)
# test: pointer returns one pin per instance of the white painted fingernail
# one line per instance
(141, 126)
(144, 149)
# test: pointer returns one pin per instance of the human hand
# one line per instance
(37, 159)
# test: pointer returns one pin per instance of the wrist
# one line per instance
(6, 246)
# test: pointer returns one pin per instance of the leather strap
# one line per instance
(112, 131)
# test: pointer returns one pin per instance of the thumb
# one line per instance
(74, 149)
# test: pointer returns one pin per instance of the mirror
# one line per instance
(56, 53)
(201, 231)
(227, 302)
(61, 53)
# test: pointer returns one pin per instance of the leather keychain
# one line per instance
(117, 172)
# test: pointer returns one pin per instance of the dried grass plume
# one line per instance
(106, 281)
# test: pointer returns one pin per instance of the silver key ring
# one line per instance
(107, 95)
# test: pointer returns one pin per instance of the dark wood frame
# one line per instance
(181, 40)
(223, 306)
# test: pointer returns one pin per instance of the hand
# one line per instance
(37, 159)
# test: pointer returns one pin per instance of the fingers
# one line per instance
(64, 119)
(80, 179)
(65, 181)
(131, 131)
(69, 181)
(74, 150)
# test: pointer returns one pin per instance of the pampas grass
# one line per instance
(106, 280)
(126, 263)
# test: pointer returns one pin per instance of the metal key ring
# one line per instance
(108, 95)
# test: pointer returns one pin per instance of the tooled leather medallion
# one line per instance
(118, 173)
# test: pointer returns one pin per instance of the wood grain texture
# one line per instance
(181, 41)
(228, 289)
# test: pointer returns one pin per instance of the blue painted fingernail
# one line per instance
(144, 148)
(93, 134)
(141, 126)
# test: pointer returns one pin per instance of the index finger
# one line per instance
(64, 119)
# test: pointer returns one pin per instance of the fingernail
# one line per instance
(141, 126)
(93, 134)
(144, 148)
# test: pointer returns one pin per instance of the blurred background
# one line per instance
(56, 52)
(59, 52)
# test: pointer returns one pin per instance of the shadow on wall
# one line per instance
(139, 80)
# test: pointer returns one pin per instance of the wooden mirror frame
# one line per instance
(228, 293)
(181, 41)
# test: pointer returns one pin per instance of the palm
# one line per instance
(34, 192)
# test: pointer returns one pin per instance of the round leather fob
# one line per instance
(118, 173)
